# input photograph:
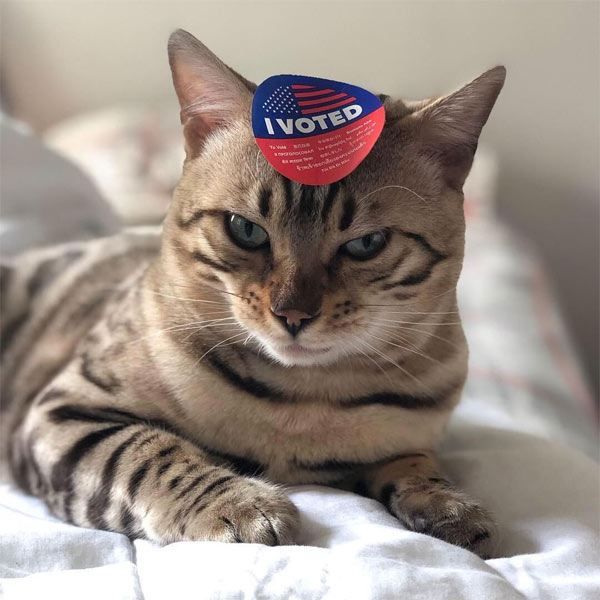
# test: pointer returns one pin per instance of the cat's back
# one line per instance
(52, 296)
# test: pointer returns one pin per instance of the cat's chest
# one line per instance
(294, 441)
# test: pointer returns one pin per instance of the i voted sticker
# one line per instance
(315, 131)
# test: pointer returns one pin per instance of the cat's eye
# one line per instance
(245, 233)
(365, 247)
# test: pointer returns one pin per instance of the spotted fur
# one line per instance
(149, 386)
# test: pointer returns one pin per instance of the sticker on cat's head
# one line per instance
(315, 131)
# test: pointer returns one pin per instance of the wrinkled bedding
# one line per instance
(522, 441)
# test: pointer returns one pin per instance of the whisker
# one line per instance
(388, 359)
(415, 322)
(404, 348)
(372, 360)
(211, 287)
(182, 326)
(188, 299)
(401, 187)
(427, 333)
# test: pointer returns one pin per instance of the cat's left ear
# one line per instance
(449, 127)
(211, 95)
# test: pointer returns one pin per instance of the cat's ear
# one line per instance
(449, 127)
(211, 95)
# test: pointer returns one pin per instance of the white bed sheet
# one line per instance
(520, 442)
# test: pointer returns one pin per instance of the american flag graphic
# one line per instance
(304, 99)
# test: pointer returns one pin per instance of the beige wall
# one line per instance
(63, 57)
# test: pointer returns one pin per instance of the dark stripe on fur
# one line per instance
(49, 395)
(49, 269)
(163, 469)
(219, 266)
(194, 483)
(247, 384)
(10, 330)
(391, 399)
(306, 206)
(100, 500)
(101, 414)
(136, 480)
(217, 483)
(347, 465)
(288, 193)
(109, 384)
(241, 464)
(62, 476)
(264, 202)
(127, 521)
(236, 536)
(348, 214)
(411, 279)
(195, 217)
(329, 199)
(167, 451)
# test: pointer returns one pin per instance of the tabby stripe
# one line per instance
(247, 384)
(61, 478)
(271, 528)
(101, 414)
(411, 279)
(49, 270)
(390, 399)
(163, 469)
(10, 331)
(187, 223)
(138, 477)
(219, 266)
(328, 202)
(177, 480)
(343, 465)
(49, 395)
(417, 278)
(306, 205)
(348, 214)
(264, 201)
(127, 520)
(196, 216)
(236, 536)
(214, 485)
(242, 465)
(186, 490)
(109, 386)
(99, 501)
(288, 193)
(167, 451)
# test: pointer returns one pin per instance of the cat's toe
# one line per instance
(253, 512)
(447, 514)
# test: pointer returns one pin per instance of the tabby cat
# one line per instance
(165, 385)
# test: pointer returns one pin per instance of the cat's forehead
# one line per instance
(394, 183)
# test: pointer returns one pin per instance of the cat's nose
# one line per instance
(293, 320)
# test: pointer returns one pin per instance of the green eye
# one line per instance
(246, 234)
(365, 247)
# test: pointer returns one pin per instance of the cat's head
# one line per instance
(316, 273)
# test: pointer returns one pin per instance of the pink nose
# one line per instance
(293, 320)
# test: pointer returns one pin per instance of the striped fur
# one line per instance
(148, 387)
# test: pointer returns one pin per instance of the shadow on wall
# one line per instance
(564, 238)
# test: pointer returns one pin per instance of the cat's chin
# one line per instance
(296, 354)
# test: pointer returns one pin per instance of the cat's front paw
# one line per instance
(251, 511)
(435, 508)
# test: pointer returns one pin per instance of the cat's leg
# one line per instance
(414, 490)
(103, 467)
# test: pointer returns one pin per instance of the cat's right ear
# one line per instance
(211, 95)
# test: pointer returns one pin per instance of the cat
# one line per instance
(168, 385)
